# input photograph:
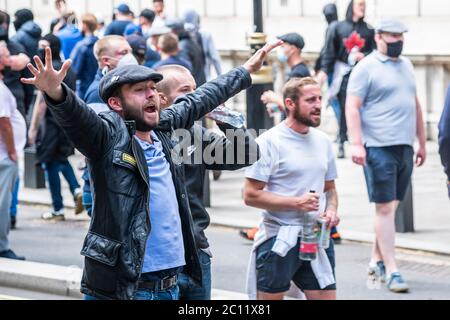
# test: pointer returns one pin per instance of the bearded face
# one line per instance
(141, 103)
(308, 107)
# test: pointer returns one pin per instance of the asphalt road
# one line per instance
(60, 242)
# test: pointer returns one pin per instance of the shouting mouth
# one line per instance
(150, 109)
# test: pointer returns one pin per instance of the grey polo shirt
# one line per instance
(388, 91)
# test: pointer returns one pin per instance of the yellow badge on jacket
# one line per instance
(129, 159)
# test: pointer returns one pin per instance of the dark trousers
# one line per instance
(342, 97)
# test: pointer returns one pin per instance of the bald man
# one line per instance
(206, 150)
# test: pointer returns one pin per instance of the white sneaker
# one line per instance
(54, 215)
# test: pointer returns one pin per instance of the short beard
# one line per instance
(303, 120)
(136, 116)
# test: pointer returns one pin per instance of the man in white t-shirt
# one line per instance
(295, 159)
(12, 141)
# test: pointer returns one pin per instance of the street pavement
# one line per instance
(60, 242)
(428, 274)
(431, 203)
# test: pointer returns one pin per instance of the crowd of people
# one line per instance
(120, 93)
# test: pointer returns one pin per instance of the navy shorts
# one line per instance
(388, 172)
(274, 273)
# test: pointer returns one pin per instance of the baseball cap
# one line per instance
(137, 44)
(124, 8)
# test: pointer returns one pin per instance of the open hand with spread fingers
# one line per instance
(255, 63)
(46, 78)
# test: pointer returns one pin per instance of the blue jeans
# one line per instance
(189, 290)
(15, 199)
(87, 202)
(148, 295)
(87, 195)
(52, 170)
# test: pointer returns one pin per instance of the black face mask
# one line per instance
(395, 49)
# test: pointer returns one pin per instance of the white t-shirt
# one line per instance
(8, 109)
(292, 165)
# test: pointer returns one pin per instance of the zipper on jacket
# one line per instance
(147, 208)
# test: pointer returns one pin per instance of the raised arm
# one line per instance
(88, 133)
(195, 105)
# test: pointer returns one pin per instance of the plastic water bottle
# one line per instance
(309, 244)
(228, 116)
(324, 234)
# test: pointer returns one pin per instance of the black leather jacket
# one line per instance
(335, 49)
(115, 244)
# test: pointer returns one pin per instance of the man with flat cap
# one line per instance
(384, 117)
(140, 237)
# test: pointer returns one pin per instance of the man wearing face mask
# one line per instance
(348, 42)
(291, 54)
(384, 117)
(28, 32)
(109, 51)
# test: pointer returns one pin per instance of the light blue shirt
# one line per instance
(165, 247)
(388, 91)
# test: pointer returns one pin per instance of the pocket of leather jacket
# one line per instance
(101, 249)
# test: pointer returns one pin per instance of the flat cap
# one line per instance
(293, 38)
(391, 25)
(126, 75)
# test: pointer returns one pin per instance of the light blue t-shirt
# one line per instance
(165, 246)
(388, 91)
